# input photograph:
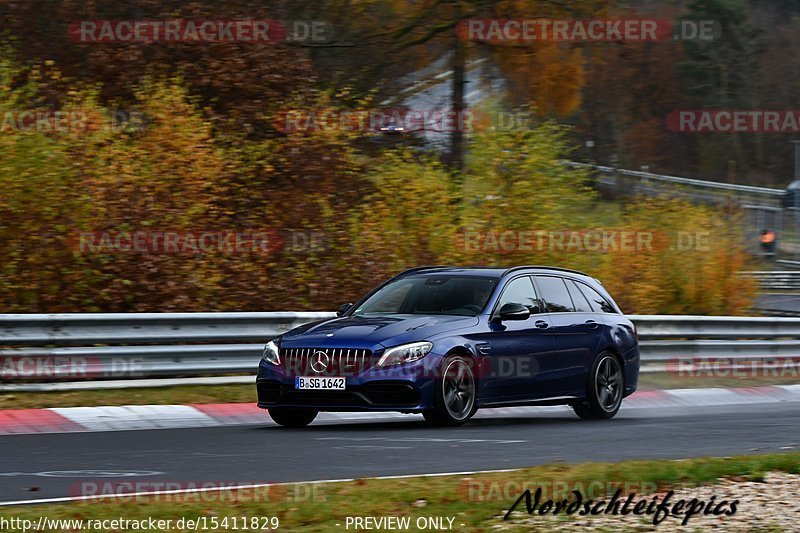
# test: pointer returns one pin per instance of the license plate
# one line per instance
(317, 383)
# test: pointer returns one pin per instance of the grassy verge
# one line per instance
(664, 380)
(476, 501)
(246, 393)
(155, 396)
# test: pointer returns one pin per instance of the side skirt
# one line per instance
(556, 400)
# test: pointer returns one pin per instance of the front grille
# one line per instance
(325, 361)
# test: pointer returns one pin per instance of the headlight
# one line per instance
(270, 354)
(405, 353)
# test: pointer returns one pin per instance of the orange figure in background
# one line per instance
(767, 239)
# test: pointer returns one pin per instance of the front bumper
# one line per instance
(632, 361)
(407, 388)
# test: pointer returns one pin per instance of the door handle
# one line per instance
(541, 324)
(592, 324)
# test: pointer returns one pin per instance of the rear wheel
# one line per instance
(455, 393)
(604, 393)
(293, 418)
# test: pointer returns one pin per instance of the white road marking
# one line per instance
(66, 499)
(84, 473)
(367, 447)
(702, 397)
(421, 439)
(129, 417)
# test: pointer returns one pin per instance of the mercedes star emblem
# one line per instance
(319, 362)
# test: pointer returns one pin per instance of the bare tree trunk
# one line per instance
(456, 159)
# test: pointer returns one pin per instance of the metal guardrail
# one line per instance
(138, 345)
(197, 344)
(781, 280)
(729, 328)
(763, 311)
(691, 182)
(122, 328)
(788, 263)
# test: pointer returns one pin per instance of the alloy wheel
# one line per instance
(458, 388)
(608, 383)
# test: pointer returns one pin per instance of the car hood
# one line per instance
(366, 332)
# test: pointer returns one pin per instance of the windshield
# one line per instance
(430, 295)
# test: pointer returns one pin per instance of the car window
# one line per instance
(554, 293)
(392, 298)
(521, 291)
(599, 304)
(578, 299)
(425, 295)
(452, 296)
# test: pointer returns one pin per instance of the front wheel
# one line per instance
(456, 393)
(293, 418)
(604, 393)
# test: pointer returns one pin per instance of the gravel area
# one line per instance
(771, 505)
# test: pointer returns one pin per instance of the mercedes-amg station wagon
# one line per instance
(445, 341)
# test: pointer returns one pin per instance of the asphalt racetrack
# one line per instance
(44, 466)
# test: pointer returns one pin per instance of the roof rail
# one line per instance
(417, 269)
(523, 267)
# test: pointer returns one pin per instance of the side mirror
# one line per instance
(514, 311)
(343, 309)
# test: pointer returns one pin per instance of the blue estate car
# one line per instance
(446, 341)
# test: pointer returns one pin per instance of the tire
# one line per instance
(456, 393)
(293, 418)
(604, 391)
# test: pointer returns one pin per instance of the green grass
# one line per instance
(183, 394)
(663, 380)
(478, 509)
(186, 394)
